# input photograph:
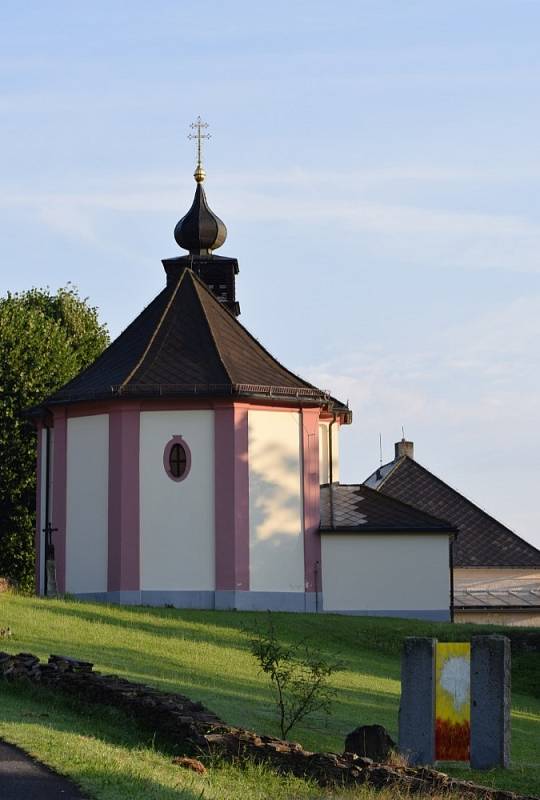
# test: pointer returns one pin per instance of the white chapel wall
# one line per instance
(275, 502)
(385, 572)
(324, 452)
(87, 508)
(177, 518)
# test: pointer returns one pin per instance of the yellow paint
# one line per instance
(452, 682)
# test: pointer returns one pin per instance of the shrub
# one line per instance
(45, 340)
(298, 673)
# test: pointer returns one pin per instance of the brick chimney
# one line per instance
(404, 448)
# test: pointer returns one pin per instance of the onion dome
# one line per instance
(200, 231)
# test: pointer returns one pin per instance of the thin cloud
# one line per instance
(438, 237)
(470, 399)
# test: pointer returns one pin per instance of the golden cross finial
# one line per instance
(198, 127)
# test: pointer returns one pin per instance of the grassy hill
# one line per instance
(205, 655)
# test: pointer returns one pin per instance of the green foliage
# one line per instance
(45, 340)
(299, 676)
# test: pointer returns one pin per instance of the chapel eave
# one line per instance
(186, 344)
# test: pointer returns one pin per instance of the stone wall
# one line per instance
(192, 728)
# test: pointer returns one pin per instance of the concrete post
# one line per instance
(417, 707)
(490, 702)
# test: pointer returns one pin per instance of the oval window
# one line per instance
(177, 459)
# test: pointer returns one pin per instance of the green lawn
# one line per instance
(205, 655)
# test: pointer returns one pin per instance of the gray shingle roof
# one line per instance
(357, 509)
(184, 343)
(482, 540)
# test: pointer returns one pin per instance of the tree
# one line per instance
(45, 340)
(299, 675)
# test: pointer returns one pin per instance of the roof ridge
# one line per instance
(197, 282)
(155, 333)
(104, 353)
(471, 502)
(390, 471)
(253, 338)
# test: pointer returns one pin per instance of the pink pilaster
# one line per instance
(39, 522)
(124, 529)
(310, 471)
(59, 496)
(232, 498)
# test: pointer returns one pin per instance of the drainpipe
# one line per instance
(451, 562)
(331, 467)
(49, 577)
(44, 554)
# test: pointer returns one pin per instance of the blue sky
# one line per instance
(376, 164)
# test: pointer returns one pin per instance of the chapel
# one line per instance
(187, 466)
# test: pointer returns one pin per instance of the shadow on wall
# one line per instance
(276, 517)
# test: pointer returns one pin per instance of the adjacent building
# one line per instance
(496, 574)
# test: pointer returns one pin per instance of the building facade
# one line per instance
(185, 466)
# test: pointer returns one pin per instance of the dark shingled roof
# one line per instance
(482, 541)
(356, 509)
(184, 343)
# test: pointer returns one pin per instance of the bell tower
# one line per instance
(200, 231)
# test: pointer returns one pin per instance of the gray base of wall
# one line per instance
(224, 600)
(201, 600)
(268, 601)
(221, 600)
(435, 615)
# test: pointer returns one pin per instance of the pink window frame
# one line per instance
(177, 439)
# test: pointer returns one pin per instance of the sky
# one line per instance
(376, 164)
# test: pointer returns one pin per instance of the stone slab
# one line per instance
(490, 701)
(417, 706)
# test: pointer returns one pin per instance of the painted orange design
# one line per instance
(452, 701)
(452, 740)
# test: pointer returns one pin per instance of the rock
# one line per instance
(190, 763)
(370, 741)
(358, 761)
(72, 664)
